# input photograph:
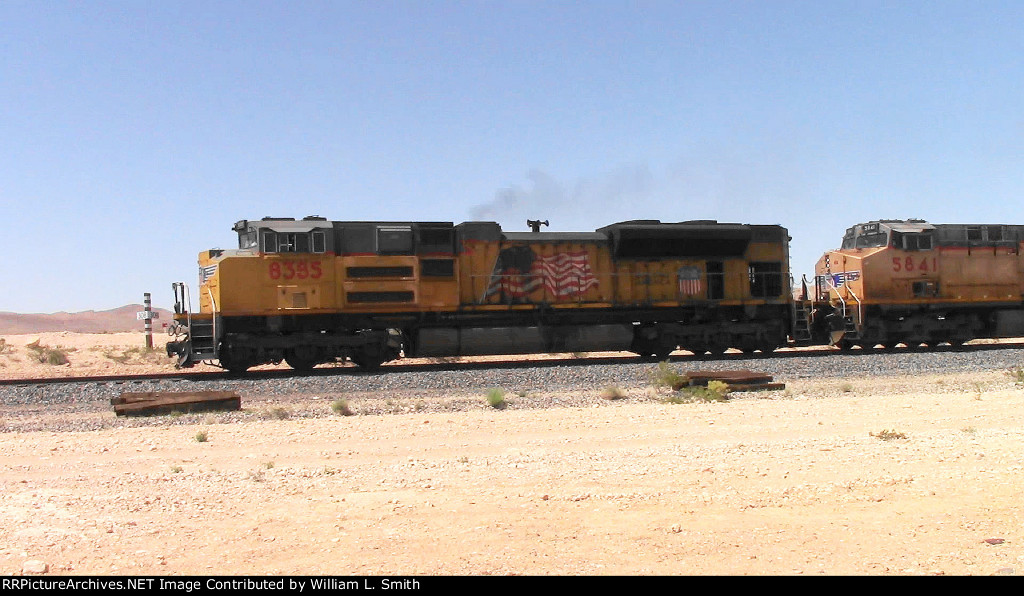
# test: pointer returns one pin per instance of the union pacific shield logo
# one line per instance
(690, 281)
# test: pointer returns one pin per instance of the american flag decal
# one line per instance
(519, 272)
(689, 281)
(206, 273)
(839, 279)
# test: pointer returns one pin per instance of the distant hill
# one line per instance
(90, 321)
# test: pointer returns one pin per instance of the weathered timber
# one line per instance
(736, 388)
(737, 380)
(150, 403)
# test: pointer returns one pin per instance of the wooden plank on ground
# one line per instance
(757, 387)
(149, 403)
(737, 380)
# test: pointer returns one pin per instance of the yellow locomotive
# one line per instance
(312, 291)
(912, 282)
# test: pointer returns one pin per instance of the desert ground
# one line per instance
(884, 475)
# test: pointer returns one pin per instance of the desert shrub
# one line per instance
(137, 355)
(714, 391)
(719, 388)
(341, 407)
(613, 392)
(47, 355)
(276, 413)
(667, 376)
(496, 398)
(201, 437)
(1016, 374)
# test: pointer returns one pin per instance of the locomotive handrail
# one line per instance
(213, 309)
(860, 307)
(186, 301)
(860, 304)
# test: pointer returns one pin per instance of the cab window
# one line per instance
(268, 241)
(276, 242)
(872, 240)
(247, 239)
(319, 242)
(913, 242)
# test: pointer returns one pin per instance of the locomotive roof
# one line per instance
(306, 224)
(915, 225)
(875, 233)
(556, 236)
(911, 226)
(314, 222)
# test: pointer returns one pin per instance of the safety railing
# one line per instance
(831, 287)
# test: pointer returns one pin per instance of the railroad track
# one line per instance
(406, 366)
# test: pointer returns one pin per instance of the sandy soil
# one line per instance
(86, 354)
(905, 475)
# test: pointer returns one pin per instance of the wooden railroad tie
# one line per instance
(150, 403)
(737, 380)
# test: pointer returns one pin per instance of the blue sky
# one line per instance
(134, 134)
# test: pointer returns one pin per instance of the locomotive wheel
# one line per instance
(235, 361)
(302, 358)
(367, 361)
(648, 347)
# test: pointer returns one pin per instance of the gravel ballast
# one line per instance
(462, 387)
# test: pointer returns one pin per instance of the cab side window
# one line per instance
(394, 240)
(915, 242)
(297, 242)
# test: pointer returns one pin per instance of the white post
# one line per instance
(149, 321)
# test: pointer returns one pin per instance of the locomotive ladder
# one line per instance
(850, 330)
(204, 333)
(801, 321)
(202, 343)
(802, 305)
